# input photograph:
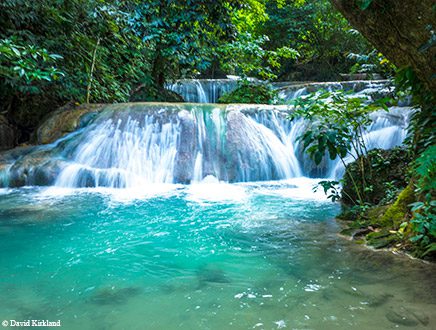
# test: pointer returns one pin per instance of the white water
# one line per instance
(203, 90)
(138, 145)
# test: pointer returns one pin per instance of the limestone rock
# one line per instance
(65, 120)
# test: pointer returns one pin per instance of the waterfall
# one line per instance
(203, 90)
(132, 145)
(210, 90)
(183, 144)
(362, 88)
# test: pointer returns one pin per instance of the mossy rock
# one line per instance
(399, 211)
(347, 232)
(382, 239)
(376, 213)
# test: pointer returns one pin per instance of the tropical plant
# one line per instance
(371, 63)
(336, 126)
(251, 92)
(181, 34)
(322, 37)
(424, 210)
(247, 56)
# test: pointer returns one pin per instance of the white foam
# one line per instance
(212, 190)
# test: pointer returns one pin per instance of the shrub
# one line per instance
(250, 92)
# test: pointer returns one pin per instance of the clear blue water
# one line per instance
(206, 256)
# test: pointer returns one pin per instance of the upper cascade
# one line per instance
(203, 90)
(135, 144)
(210, 90)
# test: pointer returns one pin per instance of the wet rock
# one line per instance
(406, 317)
(37, 168)
(242, 149)
(66, 120)
(186, 150)
(376, 301)
(13, 154)
(114, 296)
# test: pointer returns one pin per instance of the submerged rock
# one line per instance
(211, 275)
(114, 296)
(407, 317)
(379, 300)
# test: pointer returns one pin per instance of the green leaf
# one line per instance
(416, 238)
(431, 248)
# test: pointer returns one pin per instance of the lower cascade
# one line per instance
(135, 144)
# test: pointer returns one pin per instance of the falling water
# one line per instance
(132, 145)
(361, 88)
(203, 90)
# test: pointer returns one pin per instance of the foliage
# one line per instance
(331, 189)
(424, 215)
(364, 4)
(23, 66)
(423, 141)
(337, 124)
(181, 34)
(76, 30)
(250, 92)
(321, 36)
(385, 175)
(247, 56)
(371, 63)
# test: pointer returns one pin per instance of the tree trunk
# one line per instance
(403, 30)
(158, 70)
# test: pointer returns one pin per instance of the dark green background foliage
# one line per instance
(322, 37)
(72, 30)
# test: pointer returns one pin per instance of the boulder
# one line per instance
(65, 120)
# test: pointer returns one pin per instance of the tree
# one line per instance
(181, 34)
(100, 59)
(403, 30)
(320, 34)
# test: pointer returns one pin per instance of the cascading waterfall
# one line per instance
(203, 90)
(132, 145)
(361, 88)
(133, 148)
(210, 90)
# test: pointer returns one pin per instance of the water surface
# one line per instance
(205, 256)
